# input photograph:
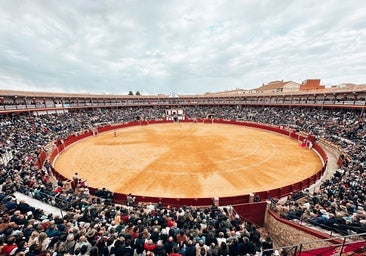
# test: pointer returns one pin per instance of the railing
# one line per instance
(50, 198)
(347, 245)
(332, 235)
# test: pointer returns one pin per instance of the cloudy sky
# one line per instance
(182, 46)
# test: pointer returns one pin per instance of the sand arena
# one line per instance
(188, 160)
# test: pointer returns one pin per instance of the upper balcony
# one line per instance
(44, 103)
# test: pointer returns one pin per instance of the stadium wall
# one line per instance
(288, 232)
(298, 239)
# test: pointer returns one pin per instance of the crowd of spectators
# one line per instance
(94, 227)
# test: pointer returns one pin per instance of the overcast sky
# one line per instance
(183, 46)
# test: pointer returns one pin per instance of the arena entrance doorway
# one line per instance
(174, 114)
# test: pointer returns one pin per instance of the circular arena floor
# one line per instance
(188, 160)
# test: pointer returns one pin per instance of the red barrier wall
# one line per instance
(41, 158)
(239, 201)
(254, 212)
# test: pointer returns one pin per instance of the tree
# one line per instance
(130, 93)
(137, 93)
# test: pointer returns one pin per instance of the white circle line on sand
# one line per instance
(247, 153)
(115, 161)
(182, 163)
(223, 171)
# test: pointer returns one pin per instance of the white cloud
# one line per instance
(187, 47)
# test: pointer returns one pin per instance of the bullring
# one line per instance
(341, 124)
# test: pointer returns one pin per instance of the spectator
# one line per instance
(267, 245)
(339, 200)
(9, 246)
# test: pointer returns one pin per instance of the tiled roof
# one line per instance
(272, 86)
